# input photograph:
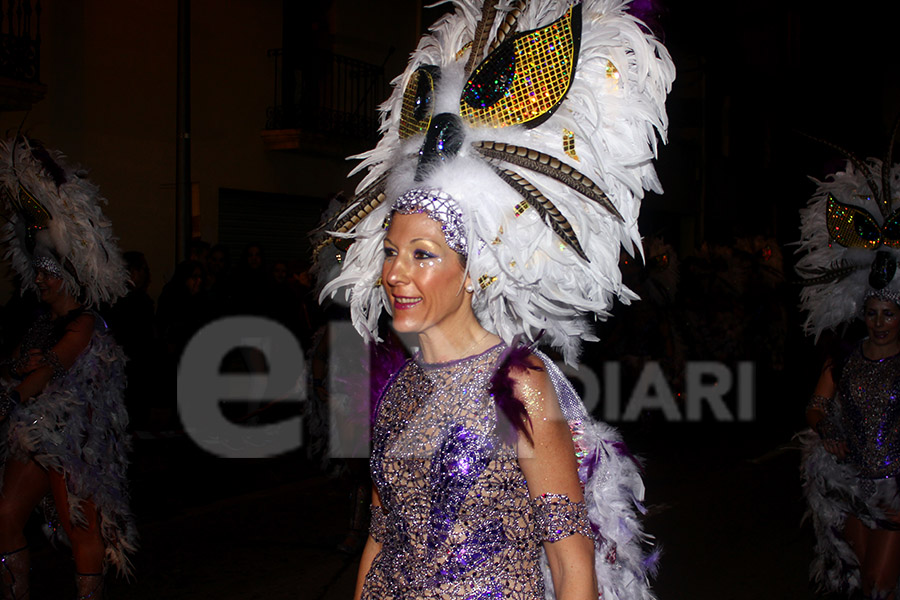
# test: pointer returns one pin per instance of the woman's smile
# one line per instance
(404, 303)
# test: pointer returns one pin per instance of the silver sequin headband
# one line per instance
(439, 207)
(48, 265)
(884, 294)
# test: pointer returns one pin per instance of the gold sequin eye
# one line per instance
(418, 102)
(851, 226)
(526, 77)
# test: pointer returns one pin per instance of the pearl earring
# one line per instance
(470, 288)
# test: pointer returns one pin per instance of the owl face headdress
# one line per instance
(55, 224)
(540, 121)
(850, 234)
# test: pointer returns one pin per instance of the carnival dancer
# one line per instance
(851, 456)
(61, 405)
(517, 146)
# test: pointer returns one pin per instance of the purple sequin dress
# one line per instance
(866, 410)
(457, 519)
(869, 393)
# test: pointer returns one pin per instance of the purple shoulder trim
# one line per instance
(388, 359)
(502, 389)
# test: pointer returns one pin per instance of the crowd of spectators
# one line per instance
(725, 303)
(205, 287)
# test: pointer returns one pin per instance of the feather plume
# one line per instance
(552, 167)
(482, 31)
(77, 234)
(508, 26)
(545, 207)
(837, 277)
(535, 281)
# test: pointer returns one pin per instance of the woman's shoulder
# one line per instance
(521, 388)
(521, 364)
(81, 320)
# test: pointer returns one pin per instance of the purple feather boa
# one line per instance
(502, 390)
(650, 12)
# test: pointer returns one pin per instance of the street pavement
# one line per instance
(724, 502)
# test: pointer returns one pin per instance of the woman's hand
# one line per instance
(53, 363)
(31, 361)
(836, 447)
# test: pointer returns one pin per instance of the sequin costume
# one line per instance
(76, 426)
(867, 411)
(457, 519)
(528, 131)
(870, 410)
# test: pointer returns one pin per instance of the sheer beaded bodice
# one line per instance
(457, 520)
(870, 407)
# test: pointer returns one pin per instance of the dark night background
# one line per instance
(754, 80)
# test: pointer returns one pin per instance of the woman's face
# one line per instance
(424, 278)
(882, 319)
(49, 286)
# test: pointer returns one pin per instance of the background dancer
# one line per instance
(62, 410)
(852, 453)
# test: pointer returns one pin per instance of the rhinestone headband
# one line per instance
(47, 265)
(439, 207)
(884, 294)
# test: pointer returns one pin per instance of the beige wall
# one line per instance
(110, 69)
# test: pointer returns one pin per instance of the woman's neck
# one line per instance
(63, 307)
(877, 351)
(437, 347)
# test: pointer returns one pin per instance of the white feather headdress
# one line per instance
(549, 195)
(54, 212)
(850, 240)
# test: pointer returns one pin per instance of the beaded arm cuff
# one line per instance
(8, 401)
(557, 517)
(826, 427)
(52, 359)
(817, 402)
(377, 523)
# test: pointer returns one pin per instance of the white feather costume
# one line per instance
(76, 425)
(548, 197)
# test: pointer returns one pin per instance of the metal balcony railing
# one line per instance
(20, 40)
(326, 93)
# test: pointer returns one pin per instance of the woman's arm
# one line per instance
(370, 551)
(548, 463)
(43, 368)
(817, 413)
